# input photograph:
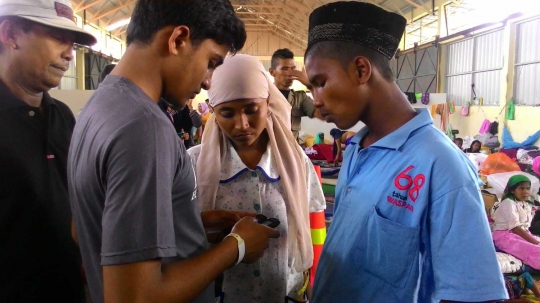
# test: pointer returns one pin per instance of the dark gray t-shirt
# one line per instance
(132, 185)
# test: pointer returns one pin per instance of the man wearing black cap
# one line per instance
(39, 262)
(409, 224)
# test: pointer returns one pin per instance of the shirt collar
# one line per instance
(397, 138)
(8, 100)
(232, 167)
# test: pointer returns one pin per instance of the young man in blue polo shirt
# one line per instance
(409, 222)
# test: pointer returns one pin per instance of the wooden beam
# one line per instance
(288, 39)
(77, 5)
(259, 25)
(416, 5)
(254, 6)
(87, 6)
(256, 13)
(257, 19)
(114, 10)
(246, 49)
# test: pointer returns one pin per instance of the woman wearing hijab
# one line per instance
(319, 139)
(249, 161)
(513, 216)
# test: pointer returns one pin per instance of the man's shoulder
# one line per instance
(299, 93)
(446, 164)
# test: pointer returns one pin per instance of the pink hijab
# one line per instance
(244, 77)
(204, 107)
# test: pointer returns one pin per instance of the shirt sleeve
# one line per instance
(463, 260)
(507, 214)
(139, 168)
(194, 153)
(195, 119)
(308, 108)
(317, 202)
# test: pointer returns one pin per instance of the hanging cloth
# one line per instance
(509, 143)
(494, 128)
(434, 111)
(452, 107)
(485, 127)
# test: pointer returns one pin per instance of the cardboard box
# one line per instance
(489, 201)
(485, 180)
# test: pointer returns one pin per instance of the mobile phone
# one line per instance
(270, 222)
(261, 219)
(181, 134)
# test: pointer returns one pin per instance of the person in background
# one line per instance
(131, 182)
(39, 261)
(283, 69)
(403, 209)
(184, 121)
(342, 139)
(459, 143)
(207, 101)
(167, 109)
(238, 169)
(517, 285)
(476, 147)
(512, 217)
(204, 110)
(319, 139)
(106, 71)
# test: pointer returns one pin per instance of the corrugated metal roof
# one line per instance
(286, 19)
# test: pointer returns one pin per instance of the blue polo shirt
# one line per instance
(409, 224)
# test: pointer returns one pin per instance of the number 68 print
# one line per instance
(405, 182)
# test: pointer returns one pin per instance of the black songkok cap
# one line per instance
(362, 23)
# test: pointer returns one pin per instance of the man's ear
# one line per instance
(180, 40)
(272, 71)
(363, 69)
(8, 37)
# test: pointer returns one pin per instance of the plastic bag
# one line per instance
(477, 159)
(498, 163)
(465, 109)
(510, 112)
(485, 127)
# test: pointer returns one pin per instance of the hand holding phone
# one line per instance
(255, 236)
(270, 222)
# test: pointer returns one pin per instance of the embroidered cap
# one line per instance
(358, 22)
(57, 14)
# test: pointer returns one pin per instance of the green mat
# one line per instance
(329, 190)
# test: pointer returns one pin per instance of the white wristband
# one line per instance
(241, 246)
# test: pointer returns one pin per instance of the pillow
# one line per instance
(499, 181)
(509, 264)
(477, 160)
